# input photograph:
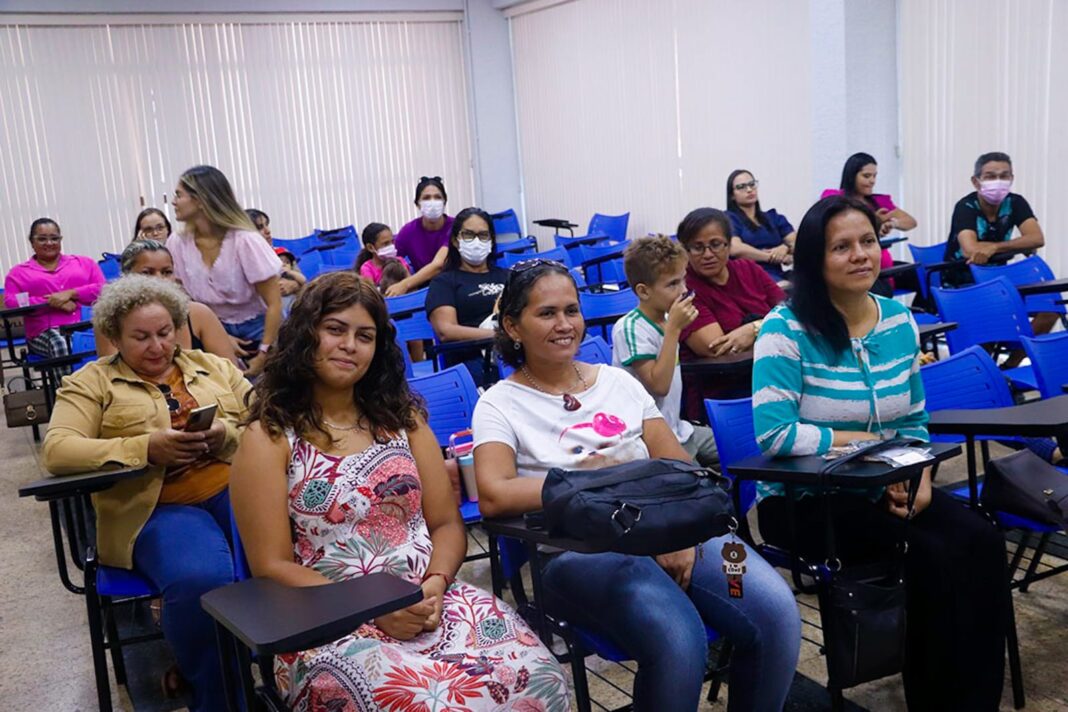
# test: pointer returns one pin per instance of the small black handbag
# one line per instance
(644, 508)
(25, 408)
(1026, 485)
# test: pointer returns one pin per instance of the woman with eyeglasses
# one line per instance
(152, 224)
(555, 411)
(762, 236)
(425, 240)
(58, 284)
(172, 523)
(461, 297)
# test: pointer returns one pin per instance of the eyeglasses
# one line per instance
(160, 229)
(45, 239)
(746, 186)
(172, 403)
(469, 235)
(699, 248)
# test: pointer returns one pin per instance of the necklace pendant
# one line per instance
(571, 403)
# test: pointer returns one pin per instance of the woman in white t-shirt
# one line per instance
(555, 411)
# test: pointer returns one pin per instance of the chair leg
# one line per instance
(113, 640)
(578, 674)
(837, 700)
(718, 672)
(1015, 674)
(1040, 550)
(96, 636)
(1017, 556)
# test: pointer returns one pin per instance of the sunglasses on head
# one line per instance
(423, 178)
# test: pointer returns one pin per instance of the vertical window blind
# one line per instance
(319, 123)
(647, 105)
(979, 76)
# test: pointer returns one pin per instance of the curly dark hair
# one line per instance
(514, 299)
(283, 395)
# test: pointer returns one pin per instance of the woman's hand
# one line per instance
(741, 339)
(408, 622)
(434, 592)
(778, 255)
(255, 364)
(57, 300)
(397, 288)
(897, 498)
(679, 565)
(176, 447)
(241, 346)
(216, 435)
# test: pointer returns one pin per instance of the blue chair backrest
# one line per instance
(81, 342)
(341, 257)
(86, 313)
(928, 256)
(615, 226)
(409, 369)
(416, 327)
(406, 302)
(311, 264)
(580, 279)
(985, 313)
(732, 426)
(593, 349)
(603, 272)
(1026, 271)
(1049, 360)
(526, 246)
(506, 225)
(347, 233)
(969, 379)
(297, 245)
(608, 303)
(241, 567)
(450, 397)
(111, 268)
(557, 253)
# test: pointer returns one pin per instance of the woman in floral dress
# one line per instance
(338, 476)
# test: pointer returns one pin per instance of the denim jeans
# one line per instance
(634, 603)
(250, 330)
(185, 551)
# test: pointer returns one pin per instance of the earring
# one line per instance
(516, 345)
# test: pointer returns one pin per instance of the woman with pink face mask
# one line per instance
(425, 240)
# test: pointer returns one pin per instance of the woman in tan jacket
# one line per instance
(172, 524)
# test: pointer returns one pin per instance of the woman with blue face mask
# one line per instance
(464, 294)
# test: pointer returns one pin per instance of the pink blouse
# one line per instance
(82, 274)
(229, 285)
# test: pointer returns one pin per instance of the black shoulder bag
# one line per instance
(645, 507)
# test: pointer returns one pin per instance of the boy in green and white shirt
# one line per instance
(645, 341)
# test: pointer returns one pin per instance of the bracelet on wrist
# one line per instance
(430, 574)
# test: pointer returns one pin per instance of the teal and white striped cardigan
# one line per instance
(802, 393)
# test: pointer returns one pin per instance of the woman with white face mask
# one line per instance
(464, 294)
(378, 250)
(425, 240)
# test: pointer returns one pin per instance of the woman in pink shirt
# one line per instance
(60, 283)
(858, 181)
(222, 261)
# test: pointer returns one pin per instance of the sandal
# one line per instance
(173, 684)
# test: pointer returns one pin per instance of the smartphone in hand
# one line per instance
(200, 418)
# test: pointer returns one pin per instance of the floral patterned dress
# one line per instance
(359, 514)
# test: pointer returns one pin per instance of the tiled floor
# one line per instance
(44, 642)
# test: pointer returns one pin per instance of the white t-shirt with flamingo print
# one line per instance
(605, 430)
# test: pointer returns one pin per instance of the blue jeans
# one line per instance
(185, 551)
(634, 603)
(250, 330)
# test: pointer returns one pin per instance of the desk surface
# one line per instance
(941, 327)
(805, 470)
(729, 364)
(62, 486)
(885, 242)
(1051, 286)
(444, 347)
(516, 527)
(19, 311)
(1043, 418)
(898, 270)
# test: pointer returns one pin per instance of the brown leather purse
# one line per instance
(24, 408)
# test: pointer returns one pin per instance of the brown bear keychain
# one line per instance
(734, 566)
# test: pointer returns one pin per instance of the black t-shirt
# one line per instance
(472, 294)
(968, 215)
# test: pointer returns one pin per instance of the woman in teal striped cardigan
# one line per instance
(838, 364)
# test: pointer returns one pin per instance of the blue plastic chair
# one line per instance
(506, 225)
(311, 264)
(340, 257)
(111, 268)
(596, 305)
(602, 263)
(450, 397)
(986, 313)
(605, 227)
(296, 245)
(414, 328)
(412, 301)
(338, 234)
(1049, 359)
(924, 257)
(1026, 271)
(83, 342)
(508, 259)
(732, 426)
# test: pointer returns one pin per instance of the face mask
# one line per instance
(384, 253)
(432, 209)
(474, 252)
(994, 191)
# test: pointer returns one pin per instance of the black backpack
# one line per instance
(645, 507)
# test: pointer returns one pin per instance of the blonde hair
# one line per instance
(122, 296)
(208, 185)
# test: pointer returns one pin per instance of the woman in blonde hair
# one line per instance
(222, 261)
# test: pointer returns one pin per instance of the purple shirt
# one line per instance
(228, 286)
(82, 274)
(420, 245)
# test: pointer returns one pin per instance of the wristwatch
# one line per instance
(264, 348)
